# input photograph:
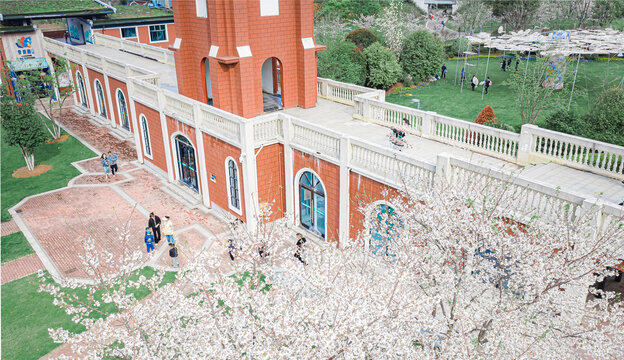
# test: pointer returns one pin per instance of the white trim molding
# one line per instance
(143, 128)
(238, 210)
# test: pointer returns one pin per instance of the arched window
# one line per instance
(147, 146)
(100, 98)
(123, 110)
(384, 230)
(312, 203)
(233, 184)
(81, 89)
(187, 169)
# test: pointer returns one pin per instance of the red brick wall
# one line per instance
(216, 153)
(329, 175)
(271, 179)
(96, 75)
(114, 85)
(237, 87)
(155, 134)
(363, 191)
(75, 68)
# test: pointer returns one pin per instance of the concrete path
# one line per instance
(8, 227)
(18, 268)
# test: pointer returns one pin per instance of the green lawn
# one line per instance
(445, 98)
(27, 315)
(59, 156)
(15, 246)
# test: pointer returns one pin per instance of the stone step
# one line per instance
(122, 134)
(99, 121)
(81, 110)
(183, 194)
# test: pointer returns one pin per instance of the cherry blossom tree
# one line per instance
(449, 271)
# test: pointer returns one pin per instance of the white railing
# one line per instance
(394, 169)
(388, 114)
(94, 61)
(342, 92)
(220, 123)
(585, 154)
(116, 69)
(145, 93)
(496, 142)
(267, 129)
(178, 107)
(157, 53)
(319, 140)
(530, 198)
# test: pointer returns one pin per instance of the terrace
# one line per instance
(350, 125)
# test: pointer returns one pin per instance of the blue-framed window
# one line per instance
(312, 204)
(186, 162)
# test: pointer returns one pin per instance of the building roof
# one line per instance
(134, 14)
(38, 9)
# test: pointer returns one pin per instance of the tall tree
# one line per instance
(52, 92)
(472, 14)
(422, 54)
(518, 14)
(606, 10)
(438, 272)
(534, 95)
(21, 124)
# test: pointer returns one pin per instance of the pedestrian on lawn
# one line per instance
(474, 82)
(517, 63)
(504, 65)
(149, 240)
(104, 163)
(154, 224)
(509, 62)
(173, 253)
(167, 229)
(487, 84)
(463, 75)
(300, 242)
(443, 71)
(112, 161)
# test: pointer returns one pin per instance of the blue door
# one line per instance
(186, 162)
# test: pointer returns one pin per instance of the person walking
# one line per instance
(443, 71)
(474, 82)
(149, 240)
(112, 161)
(463, 75)
(504, 65)
(509, 62)
(487, 84)
(154, 224)
(173, 253)
(517, 63)
(299, 253)
(167, 229)
(104, 163)
(231, 248)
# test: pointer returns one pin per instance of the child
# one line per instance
(149, 240)
(173, 252)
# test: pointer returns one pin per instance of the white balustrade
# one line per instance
(342, 92)
(320, 140)
(178, 107)
(145, 93)
(94, 61)
(392, 115)
(397, 170)
(585, 154)
(154, 52)
(267, 130)
(220, 123)
(115, 69)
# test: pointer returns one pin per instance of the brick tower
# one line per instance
(246, 56)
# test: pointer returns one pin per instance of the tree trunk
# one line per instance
(29, 158)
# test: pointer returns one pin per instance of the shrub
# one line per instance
(455, 46)
(606, 119)
(342, 62)
(565, 122)
(486, 116)
(362, 38)
(350, 9)
(382, 65)
(422, 54)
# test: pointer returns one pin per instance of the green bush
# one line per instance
(422, 54)
(342, 62)
(362, 38)
(350, 9)
(455, 46)
(565, 122)
(382, 65)
(606, 119)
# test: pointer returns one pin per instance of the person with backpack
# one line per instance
(112, 161)
(173, 253)
(149, 240)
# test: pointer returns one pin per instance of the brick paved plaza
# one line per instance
(92, 205)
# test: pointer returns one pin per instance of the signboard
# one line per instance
(79, 31)
(21, 46)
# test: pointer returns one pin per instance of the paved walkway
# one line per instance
(92, 205)
(8, 227)
(21, 267)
